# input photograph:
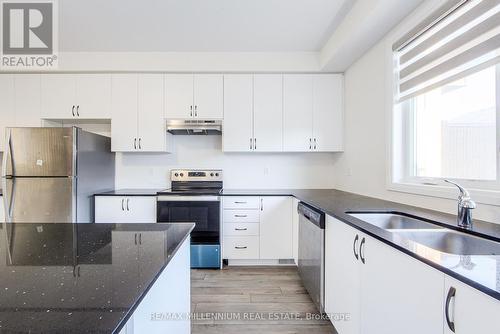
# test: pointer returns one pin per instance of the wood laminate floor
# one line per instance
(248, 300)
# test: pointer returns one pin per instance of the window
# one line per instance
(447, 97)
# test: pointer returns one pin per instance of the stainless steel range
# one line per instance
(195, 197)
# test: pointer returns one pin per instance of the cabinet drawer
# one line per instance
(243, 202)
(241, 229)
(241, 216)
(241, 248)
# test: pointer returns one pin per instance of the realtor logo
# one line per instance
(28, 34)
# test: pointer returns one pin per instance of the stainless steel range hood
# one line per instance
(194, 127)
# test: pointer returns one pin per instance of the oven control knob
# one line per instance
(216, 174)
(182, 174)
(212, 174)
(176, 174)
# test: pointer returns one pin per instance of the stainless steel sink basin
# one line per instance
(452, 242)
(393, 221)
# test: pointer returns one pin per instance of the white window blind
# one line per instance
(462, 39)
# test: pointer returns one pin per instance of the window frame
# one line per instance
(402, 158)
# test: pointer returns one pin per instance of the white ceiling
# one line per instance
(198, 25)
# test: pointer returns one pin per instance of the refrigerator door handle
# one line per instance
(7, 159)
(9, 198)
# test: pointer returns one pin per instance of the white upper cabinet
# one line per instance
(69, 96)
(93, 96)
(198, 96)
(313, 112)
(268, 112)
(253, 113)
(7, 112)
(297, 118)
(19, 102)
(151, 123)
(138, 123)
(328, 114)
(208, 96)
(179, 96)
(237, 134)
(124, 113)
(58, 96)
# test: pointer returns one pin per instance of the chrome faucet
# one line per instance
(465, 206)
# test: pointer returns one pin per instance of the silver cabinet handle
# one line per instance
(78, 111)
(195, 111)
(251, 144)
(73, 111)
(240, 216)
(140, 146)
(135, 143)
(310, 143)
(191, 111)
(123, 204)
(140, 238)
(314, 143)
(236, 202)
(261, 204)
(255, 143)
(241, 247)
(135, 239)
(240, 229)
(128, 201)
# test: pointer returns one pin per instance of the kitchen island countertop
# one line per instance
(85, 278)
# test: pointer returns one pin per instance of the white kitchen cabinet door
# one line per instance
(297, 112)
(343, 276)
(328, 113)
(2, 211)
(395, 284)
(237, 134)
(276, 228)
(140, 209)
(470, 310)
(268, 112)
(124, 101)
(208, 96)
(125, 209)
(93, 96)
(7, 105)
(27, 100)
(58, 96)
(179, 96)
(151, 122)
(110, 209)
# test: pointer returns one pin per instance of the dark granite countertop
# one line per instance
(85, 278)
(479, 271)
(130, 192)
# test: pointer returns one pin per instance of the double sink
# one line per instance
(433, 236)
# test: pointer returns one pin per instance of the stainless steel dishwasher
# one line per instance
(312, 253)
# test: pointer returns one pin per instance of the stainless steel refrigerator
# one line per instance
(50, 175)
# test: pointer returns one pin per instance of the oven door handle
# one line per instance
(188, 199)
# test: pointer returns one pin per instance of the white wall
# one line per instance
(241, 170)
(362, 168)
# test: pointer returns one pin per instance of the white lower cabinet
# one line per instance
(123, 210)
(342, 276)
(371, 287)
(399, 294)
(469, 310)
(276, 228)
(258, 228)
